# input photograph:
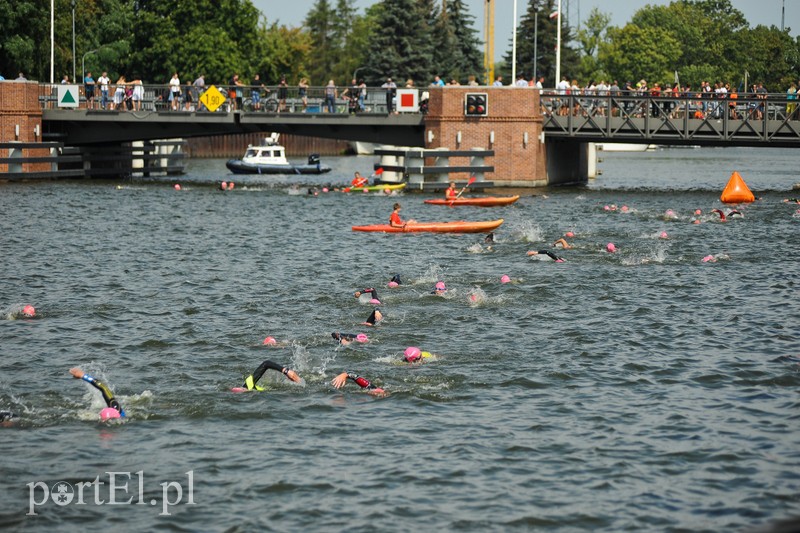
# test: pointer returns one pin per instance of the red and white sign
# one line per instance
(407, 100)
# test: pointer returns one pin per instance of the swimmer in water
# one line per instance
(394, 219)
(395, 281)
(724, 217)
(111, 402)
(489, 239)
(373, 294)
(549, 254)
(412, 354)
(340, 380)
(374, 318)
(346, 338)
(563, 243)
(439, 289)
(8, 419)
(251, 381)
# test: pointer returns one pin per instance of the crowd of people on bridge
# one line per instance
(668, 100)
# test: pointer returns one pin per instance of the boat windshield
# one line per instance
(251, 152)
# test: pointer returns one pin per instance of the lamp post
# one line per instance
(558, 45)
(52, 39)
(514, 48)
(356, 72)
(73, 41)
(83, 62)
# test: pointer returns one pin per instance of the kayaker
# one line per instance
(340, 380)
(394, 219)
(251, 381)
(359, 180)
(549, 254)
(113, 409)
(451, 193)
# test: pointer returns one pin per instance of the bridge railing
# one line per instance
(134, 96)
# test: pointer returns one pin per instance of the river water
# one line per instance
(639, 390)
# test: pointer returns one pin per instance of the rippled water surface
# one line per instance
(640, 390)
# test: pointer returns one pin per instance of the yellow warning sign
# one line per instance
(212, 98)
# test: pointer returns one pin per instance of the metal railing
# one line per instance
(247, 99)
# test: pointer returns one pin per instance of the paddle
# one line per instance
(470, 181)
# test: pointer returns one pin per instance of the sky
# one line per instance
(766, 12)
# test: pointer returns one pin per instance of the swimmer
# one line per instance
(549, 254)
(791, 200)
(439, 289)
(451, 193)
(114, 409)
(347, 338)
(563, 243)
(8, 419)
(394, 219)
(340, 380)
(724, 217)
(373, 295)
(489, 239)
(395, 281)
(251, 381)
(412, 354)
(359, 180)
(374, 318)
(29, 311)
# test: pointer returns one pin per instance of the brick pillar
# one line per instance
(19, 108)
(513, 116)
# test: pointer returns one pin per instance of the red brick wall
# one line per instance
(512, 112)
(19, 105)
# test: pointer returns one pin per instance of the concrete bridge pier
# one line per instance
(569, 162)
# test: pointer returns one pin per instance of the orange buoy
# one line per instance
(736, 191)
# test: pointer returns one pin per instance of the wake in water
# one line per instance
(657, 255)
(525, 231)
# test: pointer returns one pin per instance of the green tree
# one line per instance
(459, 55)
(589, 37)
(640, 52)
(402, 48)
(320, 23)
(288, 52)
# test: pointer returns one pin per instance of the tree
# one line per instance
(402, 48)
(640, 52)
(320, 23)
(458, 55)
(589, 37)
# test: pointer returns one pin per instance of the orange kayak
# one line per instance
(488, 201)
(461, 226)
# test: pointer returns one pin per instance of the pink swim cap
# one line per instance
(270, 340)
(324, 189)
(392, 284)
(669, 212)
(624, 207)
(606, 208)
(231, 185)
(177, 186)
(504, 278)
(365, 189)
(663, 235)
(361, 337)
(696, 222)
(569, 234)
(708, 258)
(611, 248)
(224, 185)
(412, 353)
(29, 311)
(698, 212)
(374, 301)
(440, 286)
(108, 413)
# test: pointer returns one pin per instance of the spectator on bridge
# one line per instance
(199, 87)
(175, 91)
(362, 94)
(236, 92)
(65, 79)
(437, 82)
(283, 93)
(498, 81)
(88, 90)
(521, 82)
(255, 92)
(21, 77)
(119, 94)
(351, 95)
(103, 81)
(391, 91)
(137, 95)
(187, 97)
(472, 82)
(302, 92)
(330, 97)
(791, 98)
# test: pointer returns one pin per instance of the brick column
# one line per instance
(19, 108)
(514, 118)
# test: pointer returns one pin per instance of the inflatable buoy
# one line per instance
(736, 191)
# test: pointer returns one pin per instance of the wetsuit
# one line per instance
(372, 318)
(361, 382)
(339, 336)
(396, 279)
(550, 254)
(372, 292)
(104, 390)
(489, 238)
(7, 416)
(251, 380)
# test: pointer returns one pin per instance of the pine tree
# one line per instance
(320, 22)
(466, 58)
(402, 46)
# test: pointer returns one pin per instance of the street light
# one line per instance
(73, 40)
(356, 72)
(83, 62)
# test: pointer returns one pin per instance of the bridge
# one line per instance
(770, 120)
(537, 137)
